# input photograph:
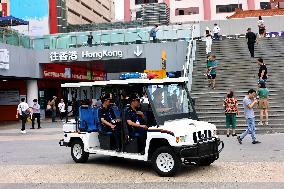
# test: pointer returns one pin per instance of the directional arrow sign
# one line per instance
(138, 52)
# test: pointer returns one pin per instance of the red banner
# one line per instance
(4, 9)
(66, 72)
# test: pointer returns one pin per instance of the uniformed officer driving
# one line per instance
(136, 122)
(109, 121)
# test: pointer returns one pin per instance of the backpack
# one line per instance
(26, 113)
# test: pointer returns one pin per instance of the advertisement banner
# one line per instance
(34, 11)
(70, 72)
(4, 9)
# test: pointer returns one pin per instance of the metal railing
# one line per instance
(12, 37)
(100, 38)
(190, 57)
(112, 37)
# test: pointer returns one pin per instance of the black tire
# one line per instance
(77, 152)
(206, 161)
(169, 153)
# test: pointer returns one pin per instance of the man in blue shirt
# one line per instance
(153, 33)
(248, 103)
(136, 123)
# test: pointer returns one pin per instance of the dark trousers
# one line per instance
(142, 138)
(216, 36)
(61, 115)
(251, 49)
(116, 133)
(53, 115)
(24, 120)
(37, 117)
(154, 39)
(117, 136)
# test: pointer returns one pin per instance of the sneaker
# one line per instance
(266, 124)
(260, 123)
(38, 127)
(234, 134)
(239, 139)
(23, 132)
(256, 142)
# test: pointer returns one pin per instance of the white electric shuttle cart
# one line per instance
(174, 134)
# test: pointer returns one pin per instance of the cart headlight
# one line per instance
(181, 139)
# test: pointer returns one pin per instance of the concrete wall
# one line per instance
(25, 62)
(239, 26)
(22, 62)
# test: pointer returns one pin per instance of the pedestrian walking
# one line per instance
(53, 108)
(61, 107)
(231, 112)
(261, 27)
(262, 94)
(212, 72)
(153, 33)
(249, 102)
(208, 40)
(24, 112)
(36, 114)
(216, 32)
(262, 72)
(251, 40)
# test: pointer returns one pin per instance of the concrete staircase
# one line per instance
(238, 72)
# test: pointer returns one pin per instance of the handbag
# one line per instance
(48, 107)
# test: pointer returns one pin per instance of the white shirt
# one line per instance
(23, 106)
(61, 107)
(260, 23)
(216, 29)
(36, 108)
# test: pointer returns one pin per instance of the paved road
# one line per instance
(35, 160)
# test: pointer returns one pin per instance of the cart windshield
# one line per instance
(169, 101)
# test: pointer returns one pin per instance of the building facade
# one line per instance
(86, 11)
(196, 10)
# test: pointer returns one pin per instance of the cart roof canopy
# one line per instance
(126, 82)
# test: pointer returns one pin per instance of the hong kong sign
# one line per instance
(74, 55)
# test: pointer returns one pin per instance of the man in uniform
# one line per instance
(109, 121)
(135, 121)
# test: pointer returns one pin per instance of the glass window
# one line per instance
(137, 2)
(138, 14)
(227, 8)
(265, 5)
(169, 99)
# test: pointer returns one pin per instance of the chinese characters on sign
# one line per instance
(63, 56)
(73, 55)
(4, 59)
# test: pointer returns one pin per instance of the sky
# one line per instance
(119, 9)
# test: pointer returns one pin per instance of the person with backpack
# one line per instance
(153, 33)
(24, 112)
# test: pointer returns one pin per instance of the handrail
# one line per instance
(190, 57)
